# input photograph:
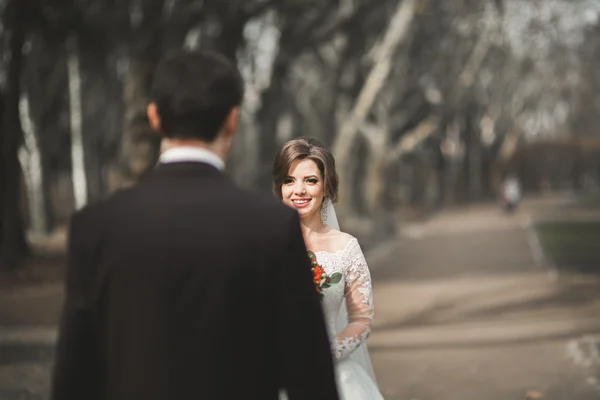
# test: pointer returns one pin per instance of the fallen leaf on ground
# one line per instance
(534, 395)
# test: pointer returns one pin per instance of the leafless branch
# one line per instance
(477, 56)
(412, 139)
(344, 21)
(373, 134)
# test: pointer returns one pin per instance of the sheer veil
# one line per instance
(361, 354)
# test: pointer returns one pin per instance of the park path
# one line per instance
(464, 312)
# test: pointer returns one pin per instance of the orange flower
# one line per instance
(318, 274)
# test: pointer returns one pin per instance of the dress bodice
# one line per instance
(355, 287)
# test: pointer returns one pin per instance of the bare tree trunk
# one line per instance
(102, 108)
(76, 120)
(140, 145)
(245, 152)
(38, 82)
(13, 243)
(454, 156)
(269, 112)
(474, 164)
(395, 33)
(31, 164)
(467, 184)
(375, 182)
(381, 157)
(507, 151)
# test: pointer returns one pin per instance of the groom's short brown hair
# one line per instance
(194, 91)
(306, 148)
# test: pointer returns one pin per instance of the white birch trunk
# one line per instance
(31, 164)
(76, 117)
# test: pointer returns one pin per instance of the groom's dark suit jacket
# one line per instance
(185, 287)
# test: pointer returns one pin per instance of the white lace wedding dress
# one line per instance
(354, 380)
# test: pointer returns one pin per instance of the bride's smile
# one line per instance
(302, 189)
(301, 202)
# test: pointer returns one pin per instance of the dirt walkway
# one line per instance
(464, 313)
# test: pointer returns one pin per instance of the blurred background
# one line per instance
(466, 139)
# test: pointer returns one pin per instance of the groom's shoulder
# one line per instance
(91, 215)
(265, 205)
(97, 208)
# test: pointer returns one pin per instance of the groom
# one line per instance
(184, 286)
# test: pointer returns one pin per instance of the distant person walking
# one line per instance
(510, 194)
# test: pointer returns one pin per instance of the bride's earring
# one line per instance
(324, 211)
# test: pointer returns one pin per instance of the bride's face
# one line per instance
(303, 188)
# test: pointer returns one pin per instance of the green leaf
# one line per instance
(336, 278)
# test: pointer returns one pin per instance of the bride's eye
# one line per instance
(314, 181)
(287, 181)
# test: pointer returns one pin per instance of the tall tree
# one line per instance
(383, 55)
(13, 243)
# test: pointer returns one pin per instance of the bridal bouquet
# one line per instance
(320, 277)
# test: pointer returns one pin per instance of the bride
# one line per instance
(305, 179)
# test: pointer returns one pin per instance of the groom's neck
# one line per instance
(214, 147)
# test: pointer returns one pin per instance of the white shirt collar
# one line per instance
(194, 154)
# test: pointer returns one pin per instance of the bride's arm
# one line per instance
(359, 301)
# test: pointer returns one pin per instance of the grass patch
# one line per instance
(572, 246)
(588, 200)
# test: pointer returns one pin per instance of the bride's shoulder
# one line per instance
(340, 240)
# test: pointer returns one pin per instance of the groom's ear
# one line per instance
(153, 117)
(232, 122)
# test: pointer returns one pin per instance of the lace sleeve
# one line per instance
(359, 302)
